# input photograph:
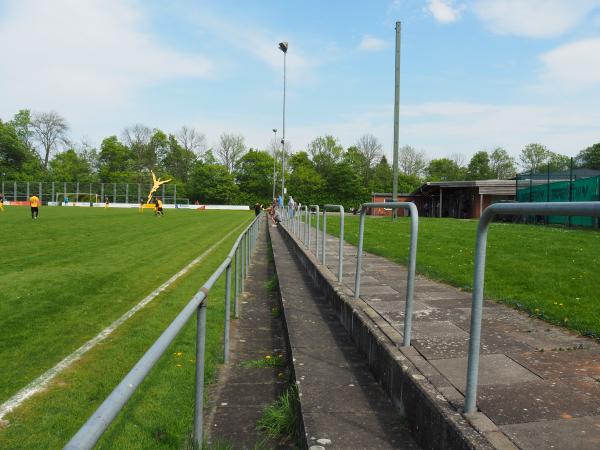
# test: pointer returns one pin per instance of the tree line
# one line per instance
(37, 147)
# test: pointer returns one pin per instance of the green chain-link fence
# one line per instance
(574, 185)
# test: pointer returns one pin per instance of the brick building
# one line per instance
(459, 199)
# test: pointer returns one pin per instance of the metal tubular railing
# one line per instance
(304, 230)
(536, 209)
(92, 430)
(340, 208)
(309, 222)
(412, 257)
(316, 208)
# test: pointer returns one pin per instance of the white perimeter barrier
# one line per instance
(137, 205)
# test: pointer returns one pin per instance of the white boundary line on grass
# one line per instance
(42, 381)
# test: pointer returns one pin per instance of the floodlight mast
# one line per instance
(274, 161)
(396, 119)
(283, 46)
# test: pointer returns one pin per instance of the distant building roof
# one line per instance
(489, 187)
(389, 194)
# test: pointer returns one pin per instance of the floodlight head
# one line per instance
(283, 46)
(282, 141)
(274, 130)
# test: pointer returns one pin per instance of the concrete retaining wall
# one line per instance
(433, 417)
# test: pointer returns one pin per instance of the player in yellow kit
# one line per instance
(158, 207)
(1, 203)
(34, 202)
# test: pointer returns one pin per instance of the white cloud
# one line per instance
(370, 43)
(533, 18)
(574, 65)
(257, 42)
(444, 11)
(79, 57)
(442, 128)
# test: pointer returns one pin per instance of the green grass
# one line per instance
(272, 284)
(266, 362)
(549, 272)
(279, 420)
(64, 278)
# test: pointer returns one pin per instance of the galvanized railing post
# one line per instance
(340, 208)
(361, 229)
(247, 252)
(324, 243)
(537, 209)
(309, 218)
(242, 263)
(412, 268)
(412, 258)
(305, 223)
(200, 347)
(236, 291)
(227, 314)
(304, 230)
(317, 233)
(316, 207)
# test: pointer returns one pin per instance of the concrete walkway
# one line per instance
(539, 385)
(342, 405)
(241, 393)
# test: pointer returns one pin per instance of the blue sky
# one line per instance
(475, 74)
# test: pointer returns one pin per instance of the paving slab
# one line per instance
(493, 370)
(539, 383)
(540, 400)
(241, 394)
(573, 434)
(339, 396)
(561, 364)
(357, 431)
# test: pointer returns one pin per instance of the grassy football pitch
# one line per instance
(67, 276)
(550, 272)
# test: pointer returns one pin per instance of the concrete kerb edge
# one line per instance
(293, 381)
(434, 419)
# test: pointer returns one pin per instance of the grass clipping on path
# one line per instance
(280, 420)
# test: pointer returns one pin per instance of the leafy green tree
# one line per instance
(357, 160)
(590, 157)
(408, 183)
(208, 157)
(381, 180)
(479, 167)
(325, 152)
(13, 152)
(69, 166)
(21, 122)
(115, 161)
(557, 162)
(212, 184)
(444, 169)
(343, 186)
(254, 175)
(533, 157)
(304, 183)
(158, 149)
(178, 161)
(502, 165)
